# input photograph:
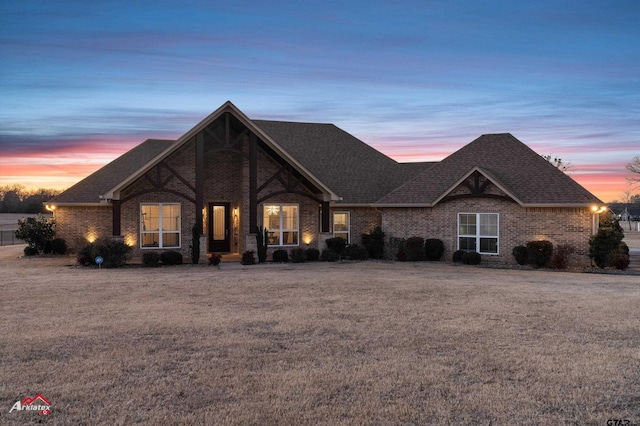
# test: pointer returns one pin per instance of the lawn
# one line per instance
(348, 343)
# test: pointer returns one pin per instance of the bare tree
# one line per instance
(557, 161)
(634, 167)
(626, 199)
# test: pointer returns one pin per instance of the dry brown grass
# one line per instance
(352, 343)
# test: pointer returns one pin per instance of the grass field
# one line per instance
(351, 343)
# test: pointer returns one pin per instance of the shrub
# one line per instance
(58, 246)
(433, 249)
(521, 254)
(215, 259)
(298, 255)
(560, 259)
(280, 256)
(151, 259)
(336, 244)
(195, 244)
(457, 256)
(620, 261)
(30, 251)
(313, 254)
(47, 247)
(171, 257)
(248, 258)
(373, 242)
(355, 252)
(329, 255)
(540, 252)
(414, 249)
(114, 253)
(262, 240)
(604, 245)
(393, 248)
(471, 258)
(36, 231)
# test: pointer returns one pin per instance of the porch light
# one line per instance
(598, 209)
(50, 207)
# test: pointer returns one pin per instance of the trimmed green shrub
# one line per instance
(433, 249)
(30, 251)
(355, 252)
(373, 242)
(171, 257)
(58, 246)
(248, 258)
(47, 247)
(393, 248)
(471, 258)
(521, 254)
(298, 255)
(280, 256)
(36, 231)
(560, 259)
(414, 249)
(114, 253)
(457, 256)
(151, 259)
(329, 255)
(262, 240)
(85, 255)
(604, 245)
(215, 259)
(313, 254)
(620, 261)
(540, 252)
(336, 244)
(195, 244)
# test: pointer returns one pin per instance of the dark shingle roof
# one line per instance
(352, 169)
(521, 171)
(90, 188)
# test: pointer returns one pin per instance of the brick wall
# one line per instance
(81, 225)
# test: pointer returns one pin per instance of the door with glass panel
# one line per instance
(219, 227)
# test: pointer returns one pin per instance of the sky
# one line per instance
(82, 82)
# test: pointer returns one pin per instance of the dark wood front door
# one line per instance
(219, 227)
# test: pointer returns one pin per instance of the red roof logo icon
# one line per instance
(37, 403)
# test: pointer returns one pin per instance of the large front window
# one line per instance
(478, 232)
(159, 225)
(281, 221)
(341, 225)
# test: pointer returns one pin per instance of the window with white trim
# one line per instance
(281, 222)
(160, 225)
(342, 225)
(478, 232)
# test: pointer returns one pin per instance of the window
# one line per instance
(478, 232)
(159, 225)
(281, 220)
(341, 225)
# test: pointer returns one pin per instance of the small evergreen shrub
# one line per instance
(151, 259)
(280, 256)
(58, 246)
(471, 258)
(329, 255)
(457, 256)
(393, 248)
(171, 257)
(355, 252)
(414, 249)
(373, 242)
(336, 244)
(36, 231)
(215, 259)
(313, 254)
(195, 244)
(262, 240)
(248, 258)
(298, 255)
(620, 261)
(30, 251)
(604, 245)
(433, 249)
(114, 253)
(85, 255)
(47, 247)
(560, 259)
(521, 254)
(540, 252)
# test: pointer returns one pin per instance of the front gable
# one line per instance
(476, 184)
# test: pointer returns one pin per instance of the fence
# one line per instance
(8, 237)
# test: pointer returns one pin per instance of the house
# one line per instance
(307, 182)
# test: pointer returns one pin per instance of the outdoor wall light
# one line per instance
(50, 207)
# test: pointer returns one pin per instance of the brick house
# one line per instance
(306, 182)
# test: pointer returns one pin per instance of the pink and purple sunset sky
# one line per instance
(83, 82)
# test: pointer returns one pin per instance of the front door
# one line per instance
(219, 227)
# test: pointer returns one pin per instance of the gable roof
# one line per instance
(90, 189)
(354, 170)
(510, 164)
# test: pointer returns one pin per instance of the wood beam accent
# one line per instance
(253, 183)
(199, 189)
(115, 211)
